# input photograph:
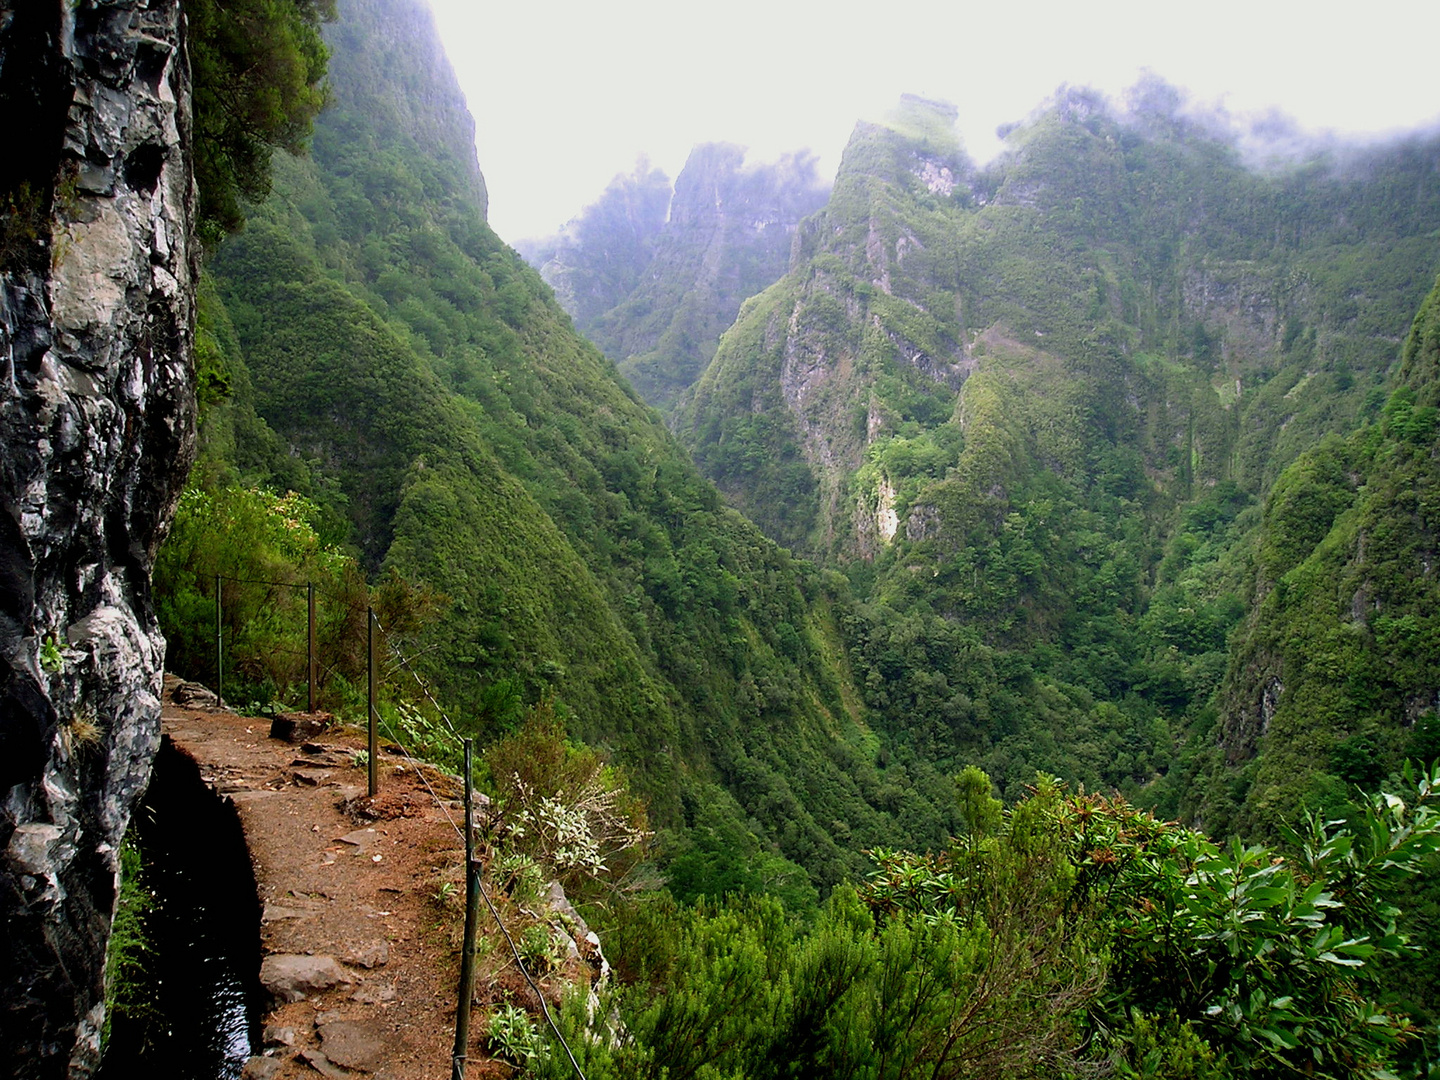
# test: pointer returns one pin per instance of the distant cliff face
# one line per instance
(1127, 277)
(656, 290)
(96, 433)
(599, 258)
(1335, 673)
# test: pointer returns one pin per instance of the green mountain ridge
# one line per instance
(1092, 241)
(1037, 411)
(392, 359)
(1039, 423)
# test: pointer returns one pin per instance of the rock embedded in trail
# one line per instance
(278, 1035)
(261, 1068)
(321, 1063)
(292, 977)
(299, 727)
(352, 1044)
(368, 954)
(189, 695)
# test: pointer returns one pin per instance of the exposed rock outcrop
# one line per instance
(96, 433)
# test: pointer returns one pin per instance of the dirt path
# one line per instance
(354, 896)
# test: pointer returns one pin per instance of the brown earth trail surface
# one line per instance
(362, 900)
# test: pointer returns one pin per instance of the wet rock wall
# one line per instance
(97, 266)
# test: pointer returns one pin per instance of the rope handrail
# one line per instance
(424, 689)
(264, 581)
(320, 590)
(514, 951)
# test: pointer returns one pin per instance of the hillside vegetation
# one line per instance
(1041, 414)
(534, 533)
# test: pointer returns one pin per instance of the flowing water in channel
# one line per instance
(200, 1000)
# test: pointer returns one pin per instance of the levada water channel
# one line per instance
(188, 1004)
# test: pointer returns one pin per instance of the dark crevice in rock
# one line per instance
(34, 84)
(142, 167)
(26, 719)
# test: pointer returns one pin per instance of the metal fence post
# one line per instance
(472, 919)
(219, 650)
(370, 698)
(310, 643)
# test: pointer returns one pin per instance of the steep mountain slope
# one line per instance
(406, 369)
(655, 289)
(1336, 675)
(1033, 411)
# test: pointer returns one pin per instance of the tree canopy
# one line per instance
(258, 69)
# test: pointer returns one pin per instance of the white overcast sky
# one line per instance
(567, 93)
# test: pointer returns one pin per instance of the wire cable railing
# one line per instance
(484, 894)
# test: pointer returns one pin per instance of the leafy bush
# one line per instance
(538, 950)
(1073, 935)
(258, 68)
(1166, 1048)
(514, 1036)
(562, 807)
(265, 549)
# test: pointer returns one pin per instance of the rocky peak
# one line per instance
(703, 185)
(654, 278)
(915, 147)
(600, 255)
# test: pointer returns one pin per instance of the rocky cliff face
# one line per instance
(600, 257)
(96, 433)
(730, 232)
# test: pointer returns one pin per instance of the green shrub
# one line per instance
(514, 1036)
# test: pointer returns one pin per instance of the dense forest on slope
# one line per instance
(1036, 412)
(654, 277)
(393, 363)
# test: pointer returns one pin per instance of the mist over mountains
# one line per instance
(654, 275)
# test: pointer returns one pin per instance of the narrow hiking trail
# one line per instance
(362, 900)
